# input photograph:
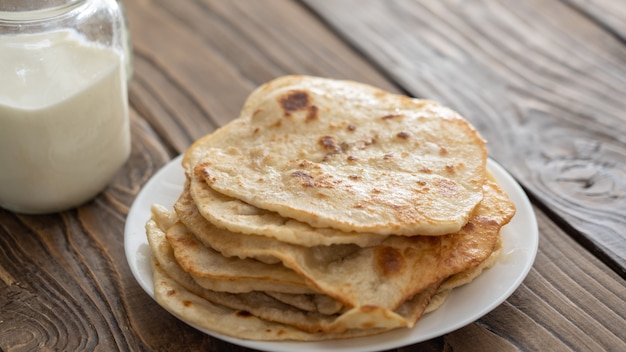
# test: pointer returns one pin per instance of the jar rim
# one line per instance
(37, 10)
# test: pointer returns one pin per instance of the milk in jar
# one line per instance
(64, 130)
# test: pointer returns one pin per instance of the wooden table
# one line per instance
(543, 81)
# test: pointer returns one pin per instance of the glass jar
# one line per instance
(64, 126)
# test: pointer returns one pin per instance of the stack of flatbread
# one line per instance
(328, 209)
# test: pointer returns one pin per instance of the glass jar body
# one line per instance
(64, 126)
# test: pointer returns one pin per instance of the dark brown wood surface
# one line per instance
(543, 81)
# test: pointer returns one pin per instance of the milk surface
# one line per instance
(64, 129)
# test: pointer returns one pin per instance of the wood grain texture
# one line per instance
(64, 281)
(542, 82)
(609, 14)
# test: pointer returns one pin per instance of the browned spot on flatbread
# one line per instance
(312, 113)
(363, 144)
(294, 101)
(320, 181)
(243, 314)
(389, 261)
(328, 142)
(305, 179)
(201, 170)
(187, 303)
(403, 135)
(447, 188)
(390, 116)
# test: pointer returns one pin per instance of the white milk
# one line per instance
(64, 129)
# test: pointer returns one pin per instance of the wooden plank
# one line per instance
(610, 14)
(541, 82)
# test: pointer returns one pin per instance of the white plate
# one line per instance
(463, 306)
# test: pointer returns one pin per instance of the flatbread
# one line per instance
(250, 274)
(264, 305)
(328, 209)
(237, 216)
(373, 282)
(258, 304)
(344, 155)
(202, 313)
(309, 303)
(214, 277)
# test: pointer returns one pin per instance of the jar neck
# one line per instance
(35, 10)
